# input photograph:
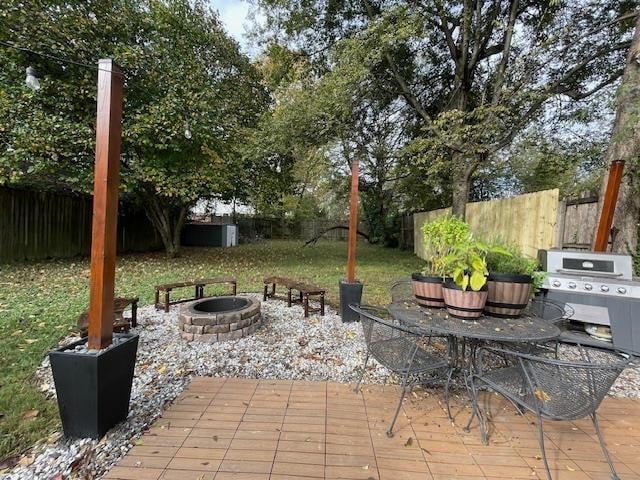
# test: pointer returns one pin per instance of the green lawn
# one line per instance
(39, 303)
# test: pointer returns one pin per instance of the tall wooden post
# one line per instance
(353, 222)
(105, 204)
(608, 206)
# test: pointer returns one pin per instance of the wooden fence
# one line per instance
(256, 228)
(527, 220)
(533, 221)
(38, 225)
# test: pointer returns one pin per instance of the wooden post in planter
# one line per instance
(353, 222)
(105, 204)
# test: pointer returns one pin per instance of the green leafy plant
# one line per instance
(466, 264)
(508, 258)
(441, 237)
(505, 257)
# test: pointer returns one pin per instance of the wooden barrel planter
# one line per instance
(427, 290)
(508, 294)
(465, 304)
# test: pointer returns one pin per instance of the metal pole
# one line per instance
(608, 206)
(105, 204)
(353, 222)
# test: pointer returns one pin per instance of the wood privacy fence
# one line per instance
(38, 225)
(527, 220)
(533, 221)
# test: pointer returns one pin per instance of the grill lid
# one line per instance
(581, 263)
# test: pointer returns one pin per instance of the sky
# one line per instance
(234, 15)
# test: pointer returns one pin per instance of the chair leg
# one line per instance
(364, 368)
(447, 387)
(395, 417)
(542, 449)
(596, 424)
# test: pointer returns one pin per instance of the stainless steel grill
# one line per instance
(601, 292)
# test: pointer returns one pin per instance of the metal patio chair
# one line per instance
(550, 387)
(398, 349)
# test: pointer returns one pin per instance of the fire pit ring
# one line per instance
(218, 319)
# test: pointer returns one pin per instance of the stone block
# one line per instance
(202, 321)
(187, 336)
(230, 317)
(251, 310)
(216, 328)
(186, 319)
(194, 329)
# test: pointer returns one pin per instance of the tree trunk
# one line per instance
(625, 145)
(168, 221)
(463, 170)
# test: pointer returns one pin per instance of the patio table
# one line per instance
(529, 329)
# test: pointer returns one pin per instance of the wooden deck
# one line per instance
(237, 429)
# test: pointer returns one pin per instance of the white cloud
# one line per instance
(234, 14)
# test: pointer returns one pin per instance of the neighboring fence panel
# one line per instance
(406, 232)
(528, 220)
(580, 219)
(38, 225)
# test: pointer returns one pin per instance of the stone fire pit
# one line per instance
(220, 318)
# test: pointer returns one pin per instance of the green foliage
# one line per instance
(514, 262)
(440, 238)
(180, 68)
(39, 304)
(466, 264)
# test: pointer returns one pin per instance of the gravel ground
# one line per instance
(287, 346)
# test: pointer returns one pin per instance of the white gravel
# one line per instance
(287, 346)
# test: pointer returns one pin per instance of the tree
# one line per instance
(625, 145)
(473, 73)
(182, 72)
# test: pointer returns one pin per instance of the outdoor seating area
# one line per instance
(307, 240)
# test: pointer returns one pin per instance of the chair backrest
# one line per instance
(389, 342)
(549, 310)
(573, 385)
(402, 291)
(379, 325)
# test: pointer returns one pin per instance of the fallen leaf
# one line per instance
(30, 414)
(26, 460)
(409, 442)
(138, 441)
(162, 369)
(570, 469)
(365, 467)
(541, 395)
(30, 340)
(350, 334)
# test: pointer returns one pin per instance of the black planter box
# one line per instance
(349, 293)
(94, 390)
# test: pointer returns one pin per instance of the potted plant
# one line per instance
(465, 293)
(511, 282)
(439, 238)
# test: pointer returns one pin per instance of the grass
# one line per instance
(39, 304)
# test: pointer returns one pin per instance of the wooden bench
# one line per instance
(304, 291)
(120, 324)
(199, 290)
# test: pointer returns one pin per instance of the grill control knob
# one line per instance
(604, 288)
(572, 285)
(556, 283)
(621, 290)
(588, 287)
